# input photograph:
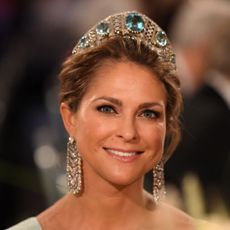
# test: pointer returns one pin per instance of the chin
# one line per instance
(123, 181)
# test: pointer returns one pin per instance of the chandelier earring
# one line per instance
(74, 167)
(159, 182)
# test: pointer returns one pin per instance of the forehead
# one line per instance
(124, 77)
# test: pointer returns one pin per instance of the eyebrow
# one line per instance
(149, 104)
(110, 99)
(119, 103)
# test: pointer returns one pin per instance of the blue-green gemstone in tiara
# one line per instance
(134, 23)
(84, 42)
(161, 39)
(102, 29)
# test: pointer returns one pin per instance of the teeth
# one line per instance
(122, 154)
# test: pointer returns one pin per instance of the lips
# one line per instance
(123, 155)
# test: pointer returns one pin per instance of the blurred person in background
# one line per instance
(193, 30)
(200, 34)
(219, 62)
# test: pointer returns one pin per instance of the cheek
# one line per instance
(92, 130)
(155, 136)
(154, 139)
(161, 130)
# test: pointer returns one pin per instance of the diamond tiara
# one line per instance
(132, 25)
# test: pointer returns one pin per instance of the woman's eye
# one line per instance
(106, 109)
(149, 114)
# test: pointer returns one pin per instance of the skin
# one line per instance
(124, 109)
(114, 116)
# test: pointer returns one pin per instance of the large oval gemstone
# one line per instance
(102, 29)
(134, 22)
(161, 39)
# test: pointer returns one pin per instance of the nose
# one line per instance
(127, 129)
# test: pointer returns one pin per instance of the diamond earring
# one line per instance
(159, 182)
(74, 167)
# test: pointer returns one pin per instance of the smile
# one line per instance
(121, 153)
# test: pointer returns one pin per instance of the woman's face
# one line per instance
(120, 125)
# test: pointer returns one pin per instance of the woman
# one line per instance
(120, 102)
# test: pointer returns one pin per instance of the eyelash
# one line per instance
(148, 113)
(106, 109)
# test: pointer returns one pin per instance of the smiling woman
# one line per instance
(115, 124)
(120, 101)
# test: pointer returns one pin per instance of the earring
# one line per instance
(159, 182)
(74, 167)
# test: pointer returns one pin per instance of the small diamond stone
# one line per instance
(173, 58)
(161, 39)
(102, 29)
(84, 42)
(135, 23)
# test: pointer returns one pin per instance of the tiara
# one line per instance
(132, 25)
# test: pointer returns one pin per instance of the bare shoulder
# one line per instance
(173, 218)
(177, 219)
(165, 216)
(205, 225)
(175, 212)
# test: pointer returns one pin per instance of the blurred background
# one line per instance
(37, 35)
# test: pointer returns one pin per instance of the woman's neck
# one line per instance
(114, 206)
(100, 205)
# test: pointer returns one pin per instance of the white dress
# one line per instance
(28, 224)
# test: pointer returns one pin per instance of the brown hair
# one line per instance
(78, 71)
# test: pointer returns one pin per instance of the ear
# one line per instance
(68, 118)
